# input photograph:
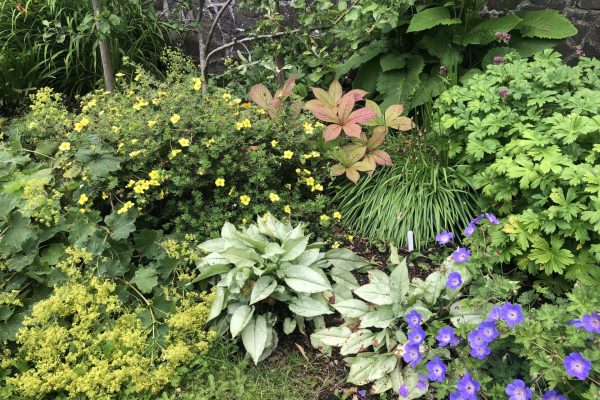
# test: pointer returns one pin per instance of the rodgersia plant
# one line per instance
(269, 264)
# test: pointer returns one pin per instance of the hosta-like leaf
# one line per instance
(218, 303)
(351, 308)
(262, 289)
(358, 342)
(289, 325)
(240, 319)
(305, 279)
(334, 336)
(370, 367)
(376, 293)
(305, 306)
(255, 337)
(380, 318)
(399, 282)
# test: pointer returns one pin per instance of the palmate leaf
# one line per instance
(546, 24)
(551, 257)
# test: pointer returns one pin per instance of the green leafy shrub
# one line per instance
(191, 163)
(526, 133)
(55, 43)
(270, 264)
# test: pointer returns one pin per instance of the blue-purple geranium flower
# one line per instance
(512, 314)
(577, 366)
(517, 390)
(553, 395)
(461, 255)
(454, 280)
(444, 238)
(445, 336)
(413, 319)
(436, 369)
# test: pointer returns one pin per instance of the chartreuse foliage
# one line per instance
(527, 134)
(270, 264)
(89, 305)
(214, 158)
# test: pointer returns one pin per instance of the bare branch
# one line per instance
(216, 21)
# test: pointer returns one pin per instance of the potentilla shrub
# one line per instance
(528, 135)
(189, 162)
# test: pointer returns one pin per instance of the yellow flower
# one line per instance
(245, 123)
(140, 104)
(318, 187)
(174, 118)
(324, 217)
(82, 124)
(125, 207)
(245, 200)
(64, 146)
(287, 209)
(306, 171)
(184, 142)
(308, 128)
(310, 181)
(120, 146)
(298, 171)
(82, 210)
(274, 143)
(261, 111)
(154, 174)
(119, 74)
(265, 217)
(220, 182)
(288, 154)
(315, 154)
(319, 125)
(209, 142)
(104, 196)
(244, 221)
(134, 141)
(350, 238)
(226, 96)
(82, 199)
(273, 197)
(151, 123)
(335, 245)
(135, 153)
(288, 186)
(197, 84)
(174, 153)
(337, 215)
(130, 183)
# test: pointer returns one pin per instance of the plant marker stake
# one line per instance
(411, 244)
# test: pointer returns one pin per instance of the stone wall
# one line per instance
(584, 14)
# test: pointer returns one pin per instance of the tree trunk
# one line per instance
(109, 79)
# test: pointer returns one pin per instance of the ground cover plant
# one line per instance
(526, 133)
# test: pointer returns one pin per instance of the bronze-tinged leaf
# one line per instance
(337, 170)
(404, 124)
(363, 166)
(352, 175)
(322, 98)
(323, 113)
(393, 111)
(345, 107)
(352, 130)
(335, 92)
(353, 154)
(361, 115)
(260, 95)
(332, 132)
(380, 157)
(358, 94)
(286, 90)
(376, 138)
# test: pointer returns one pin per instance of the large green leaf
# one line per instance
(145, 279)
(305, 279)
(398, 87)
(240, 318)
(366, 77)
(485, 32)
(376, 293)
(351, 308)
(399, 282)
(546, 24)
(121, 225)
(15, 234)
(363, 55)
(359, 341)
(431, 17)
(255, 337)
(334, 336)
(262, 289)
(99, 163)
(369, 367)
(308, 307)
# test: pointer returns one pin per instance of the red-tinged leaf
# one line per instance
(358, 94)
(381, 158)
(335, 91)
(404, 124)
(323, 98)
(370, 161)
(352, 175)
(360, 116)
(296, 108)
(376, 138)
(332, 132)
(394, 111)
(352, 130)
(286, 90)
(337, 170)
(260, 95)
(345, 107)
(326, 114)
(353, 154)
(363, 166)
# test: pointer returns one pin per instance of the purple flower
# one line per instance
(503, 92)
(458, 396)
(454, 280)
(488, 330)
(577, 366)
(413, 319)
(444, 238)
(362, 393)
(456, 341)
(416, 336)
(422, 383)
(476, 339)
(403, 391)
(577, 323)
(461, 255)
(495, 314)
(492, 218)
(445, 336)
(498, 60)
(503, 37)
(518, 390)
(591, 323)
(469, 387)
(443, 70)
(480, 353)
(470, 229)
(437, 370)
(512, 314)
(412, 355)
(579, 51)
(477, 219)
(553, 395)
